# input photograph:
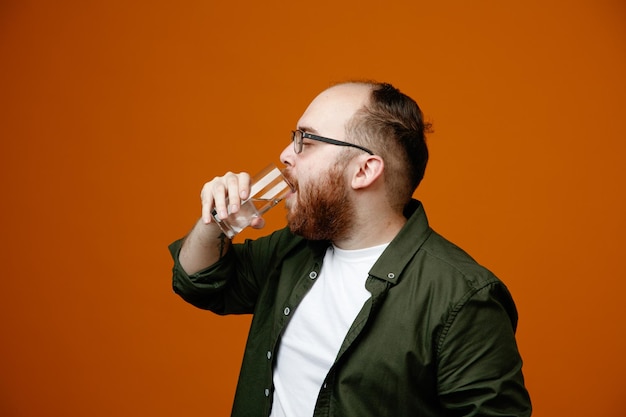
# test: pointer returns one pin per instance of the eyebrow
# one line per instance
(308, 129)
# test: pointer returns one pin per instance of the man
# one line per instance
(360, 308)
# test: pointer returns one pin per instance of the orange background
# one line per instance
(114, 113)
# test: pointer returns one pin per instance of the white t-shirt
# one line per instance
(318, 327)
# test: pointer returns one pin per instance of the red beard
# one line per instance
(324, 210)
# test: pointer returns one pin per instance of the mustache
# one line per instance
(291, 180)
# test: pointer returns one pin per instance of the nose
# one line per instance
(287, 155)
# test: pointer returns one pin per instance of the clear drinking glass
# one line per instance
(268, 188)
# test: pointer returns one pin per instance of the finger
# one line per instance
(206, 207)
(206, 198)
(218, 193)
(232, 185)
(244, 185)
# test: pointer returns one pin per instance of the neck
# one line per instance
(371, 229)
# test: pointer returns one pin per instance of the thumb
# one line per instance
(257, 223)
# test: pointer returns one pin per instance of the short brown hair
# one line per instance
(392, 125)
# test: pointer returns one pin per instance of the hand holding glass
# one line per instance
(268, 188)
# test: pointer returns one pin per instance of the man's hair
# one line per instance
(393, 126)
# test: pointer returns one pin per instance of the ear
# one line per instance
(369, 169)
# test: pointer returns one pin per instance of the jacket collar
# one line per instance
(401, 249)
(404, 246)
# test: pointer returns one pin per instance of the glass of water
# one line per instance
(268, 188)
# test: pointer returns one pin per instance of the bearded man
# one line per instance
(360, 308)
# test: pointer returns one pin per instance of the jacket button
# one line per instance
(313, 275)
(391, 275)
(269, 354)
(286, 311)
(267, 392)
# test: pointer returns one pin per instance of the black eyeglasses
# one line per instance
(297, 136)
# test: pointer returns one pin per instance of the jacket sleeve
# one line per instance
(208, 289)
(232, 285)
(480, 368)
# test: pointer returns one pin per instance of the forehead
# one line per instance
(329, 111)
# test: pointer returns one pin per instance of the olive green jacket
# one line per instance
(436, 338)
